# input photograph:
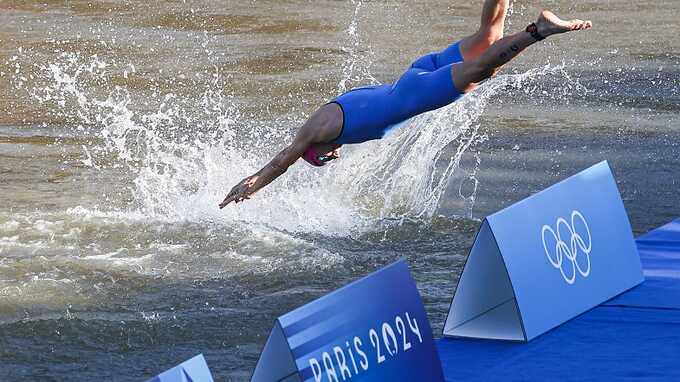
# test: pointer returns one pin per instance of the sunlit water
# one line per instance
(124, 124)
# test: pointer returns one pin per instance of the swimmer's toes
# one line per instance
(548, 23)
(580, 24)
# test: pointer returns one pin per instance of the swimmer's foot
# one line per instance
(549, 24)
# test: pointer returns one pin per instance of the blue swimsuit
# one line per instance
(370, 112)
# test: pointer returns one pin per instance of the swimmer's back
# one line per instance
(370, 112)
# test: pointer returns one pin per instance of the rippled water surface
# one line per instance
(124, 123)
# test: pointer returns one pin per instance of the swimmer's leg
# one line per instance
(490, 29)
(434, 61)
(469, 48)
(466, 74)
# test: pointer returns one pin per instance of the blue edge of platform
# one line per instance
(635, 336)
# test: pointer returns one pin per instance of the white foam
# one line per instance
(10, 226)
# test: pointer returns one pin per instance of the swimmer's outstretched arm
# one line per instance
(319, 128)
(275, 168)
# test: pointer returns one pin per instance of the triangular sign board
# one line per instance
(545, 260)
(193, 370)
(374, 329)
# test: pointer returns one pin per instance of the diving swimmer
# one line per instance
(433, 81)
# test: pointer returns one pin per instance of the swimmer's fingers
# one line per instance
(231, 196)
(226, 201)
(236, 196)
(240, 192)
(243, 196)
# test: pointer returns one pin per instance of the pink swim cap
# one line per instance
(312, 157)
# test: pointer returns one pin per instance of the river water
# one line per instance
(124, 123)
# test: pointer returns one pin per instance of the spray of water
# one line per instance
(184, 155)
(357, 65)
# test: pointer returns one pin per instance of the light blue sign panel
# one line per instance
(374, 329)
(545, 260)
(193, 370)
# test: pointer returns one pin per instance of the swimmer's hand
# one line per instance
(240, 192)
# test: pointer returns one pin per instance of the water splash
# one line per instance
(357, 65)
(184, 153)
(405, 175)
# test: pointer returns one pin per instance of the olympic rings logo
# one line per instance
(567, 253)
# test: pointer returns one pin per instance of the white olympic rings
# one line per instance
(576, 245)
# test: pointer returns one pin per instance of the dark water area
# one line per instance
(124, 123)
